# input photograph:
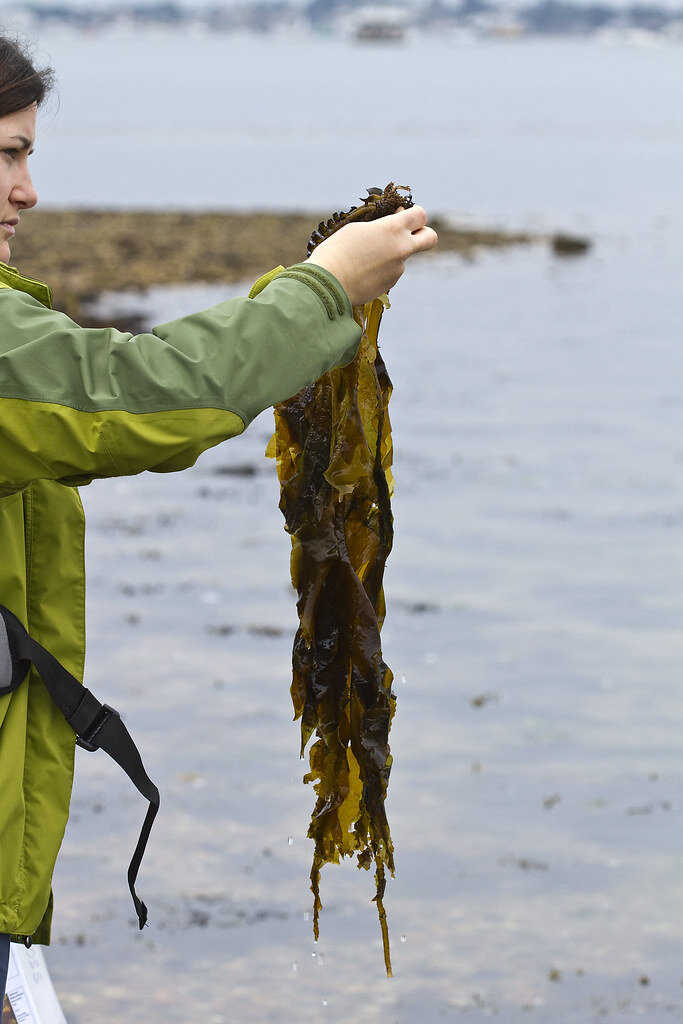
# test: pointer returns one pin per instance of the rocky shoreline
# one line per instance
(82, 253)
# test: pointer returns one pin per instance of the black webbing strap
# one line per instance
(96, 725)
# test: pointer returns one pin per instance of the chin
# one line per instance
(5, 254)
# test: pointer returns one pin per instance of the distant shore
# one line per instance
(82, 253)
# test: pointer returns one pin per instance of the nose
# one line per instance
(23, 194)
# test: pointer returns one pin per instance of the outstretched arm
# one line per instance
(79, 403)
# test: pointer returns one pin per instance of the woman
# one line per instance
(76, 404)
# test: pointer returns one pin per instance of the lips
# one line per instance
(9, 226)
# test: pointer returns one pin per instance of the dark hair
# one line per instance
(21, 83)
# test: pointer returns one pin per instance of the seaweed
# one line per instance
(333, 447)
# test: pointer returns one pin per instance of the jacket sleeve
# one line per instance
(79, 403)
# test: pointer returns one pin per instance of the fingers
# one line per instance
(414, 221)
(424, 238)
(414, 218)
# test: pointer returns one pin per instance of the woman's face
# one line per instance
(17, 135)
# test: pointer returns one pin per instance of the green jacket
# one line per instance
(76, 404)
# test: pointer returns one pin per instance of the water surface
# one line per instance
(534, 592)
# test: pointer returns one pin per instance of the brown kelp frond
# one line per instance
(333, 448)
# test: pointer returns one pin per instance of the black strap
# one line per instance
(96, 725)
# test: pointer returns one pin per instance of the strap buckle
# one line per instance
(87, 740)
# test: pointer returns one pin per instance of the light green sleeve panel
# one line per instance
(48, 441)
(81, 403)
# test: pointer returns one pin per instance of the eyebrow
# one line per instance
(25, 143)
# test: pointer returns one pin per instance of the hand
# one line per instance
(367, 258)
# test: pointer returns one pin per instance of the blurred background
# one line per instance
(535, 590)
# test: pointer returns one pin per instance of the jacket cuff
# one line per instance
(324, 284)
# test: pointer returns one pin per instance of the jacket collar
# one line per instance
(11, 278)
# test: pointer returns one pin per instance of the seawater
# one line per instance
(549, 130)
(534, 591)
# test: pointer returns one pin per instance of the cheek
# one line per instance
(5, 186)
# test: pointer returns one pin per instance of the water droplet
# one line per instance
(403, 938)
(403, 680)
(290, 840)
(307, 916)
(321, 960)
(314, 954)
(295, 966)
(324, 1002)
